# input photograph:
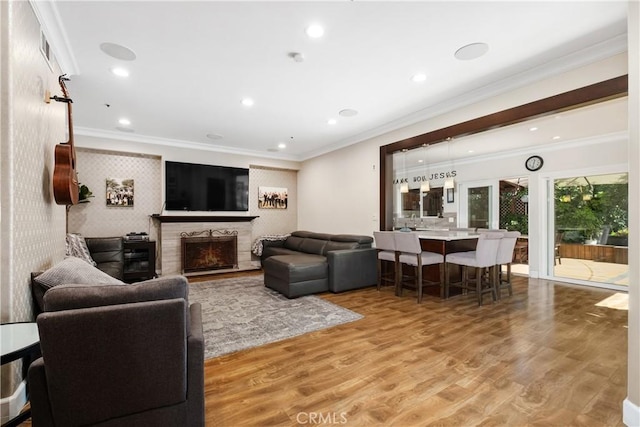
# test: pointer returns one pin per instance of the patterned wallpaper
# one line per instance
(32, 226)
(96, 219)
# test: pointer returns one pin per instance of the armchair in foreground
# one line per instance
(119, 356)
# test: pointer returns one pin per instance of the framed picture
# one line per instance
(272, 198)
(450, 198)
(119, 192)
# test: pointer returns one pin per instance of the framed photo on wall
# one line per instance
(450, 197)
(119, 192)
(272, 198)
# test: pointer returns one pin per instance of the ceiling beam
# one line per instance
(598, 92)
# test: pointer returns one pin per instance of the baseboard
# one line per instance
(11, 406)
(630, 413)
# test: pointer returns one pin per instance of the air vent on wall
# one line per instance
(45, 49)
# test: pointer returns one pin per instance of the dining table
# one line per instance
(446, 242)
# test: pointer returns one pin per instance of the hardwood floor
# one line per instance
(545, 356)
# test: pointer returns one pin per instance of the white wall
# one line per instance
(340, 193)
(632, 403)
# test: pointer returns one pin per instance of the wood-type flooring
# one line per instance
(546, 356)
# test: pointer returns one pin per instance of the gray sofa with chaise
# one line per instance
(307, 263)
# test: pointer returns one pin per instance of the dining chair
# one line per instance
(556, 248)
(521, 251)
(411, 253)
(505, 258)
(483, 260)
(386, 246)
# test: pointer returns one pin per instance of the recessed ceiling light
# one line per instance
(247, 102)
(470, 151)
(282, 145)
(533, 129)
(118, 51)
(120, 72)
(124, 122)
(556, 137)
(214, 136)
(348, 112)
(420, 161)
(419, 78)
(471, 51)
(315, 31)
(332, 121)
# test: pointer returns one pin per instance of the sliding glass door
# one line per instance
(587, 241)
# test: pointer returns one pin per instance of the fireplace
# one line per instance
(209, 250)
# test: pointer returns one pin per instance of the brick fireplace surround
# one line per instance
(172, 227)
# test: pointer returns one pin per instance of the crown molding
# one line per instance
(51, 24)
(176, 143)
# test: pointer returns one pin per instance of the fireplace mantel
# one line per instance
(202, 218)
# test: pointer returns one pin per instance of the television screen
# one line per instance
(194, 187)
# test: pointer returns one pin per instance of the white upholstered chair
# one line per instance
(386, 246)
(483, 260)
(408, 244)
(505, 257)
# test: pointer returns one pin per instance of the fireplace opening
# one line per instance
(213, 252)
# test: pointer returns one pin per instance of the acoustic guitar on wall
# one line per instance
(65, 177)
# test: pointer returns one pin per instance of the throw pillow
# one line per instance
(71, 270)
(77, 247)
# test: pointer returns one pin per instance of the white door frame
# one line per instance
(494, 206)
(547, 221)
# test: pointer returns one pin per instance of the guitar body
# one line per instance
(65, 178)
(66, 190)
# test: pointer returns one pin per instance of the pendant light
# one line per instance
(449, 182)
(425, 187)
(404, 187)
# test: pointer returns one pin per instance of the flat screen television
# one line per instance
(195, 187)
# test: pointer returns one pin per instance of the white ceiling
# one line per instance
(197, 60)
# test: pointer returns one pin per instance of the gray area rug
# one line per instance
(240, 313)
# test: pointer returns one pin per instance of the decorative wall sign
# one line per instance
(120, 192)
(272, 198)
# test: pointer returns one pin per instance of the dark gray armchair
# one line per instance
(119, 355)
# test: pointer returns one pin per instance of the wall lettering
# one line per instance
(425, 178)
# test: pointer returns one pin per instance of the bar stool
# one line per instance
(408, 244)
(386, 245)
(483, 259)
(505, 257)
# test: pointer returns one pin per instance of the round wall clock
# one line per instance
(534, 163)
